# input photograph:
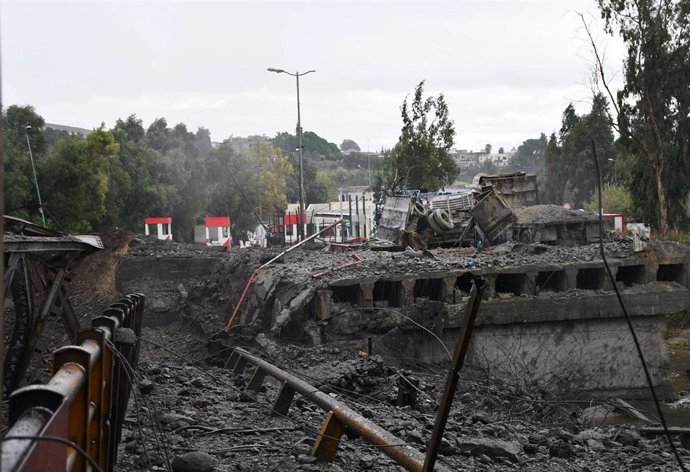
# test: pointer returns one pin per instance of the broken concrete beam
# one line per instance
(654, 299)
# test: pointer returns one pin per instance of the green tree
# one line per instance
(531, 155)
(569, 162)
(136, 187)
(614, 199)
(421, 158)
(652, 111)
(77, 180)
(260, 173)
(349, 145)
(314, 147)
(19, 189)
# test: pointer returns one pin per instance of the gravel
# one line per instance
(196, 416)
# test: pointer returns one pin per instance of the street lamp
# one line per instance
(31, 158)
(297, 75)
(615, 174)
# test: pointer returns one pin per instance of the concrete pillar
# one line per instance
(448, 294)
(408, 291)
(571, 278)
(607, 285)
(322, 304)
(146, 229)
(366, 290)
(159, 228)
(531, 283)
(490, 290)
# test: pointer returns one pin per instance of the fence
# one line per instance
(74, 422)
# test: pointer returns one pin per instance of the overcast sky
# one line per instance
(507, 69)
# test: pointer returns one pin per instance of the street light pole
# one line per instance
(301, 173)
(33, 168)
(297, 75)
(615, 173)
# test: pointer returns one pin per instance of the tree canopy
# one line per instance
(349, 145)
(421, 158)
(115, 178)
(569, 173)
(652, 111)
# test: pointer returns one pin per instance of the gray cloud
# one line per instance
(507, 68)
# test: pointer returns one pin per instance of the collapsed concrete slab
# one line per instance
(550, 319)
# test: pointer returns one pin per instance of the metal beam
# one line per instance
(461, 348)
(408, 457)
(20, 243)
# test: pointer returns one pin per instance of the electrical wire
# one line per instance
(135, 382)
(60, 440)
(627, 315)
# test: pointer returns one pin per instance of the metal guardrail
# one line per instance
(339, 415)
(74, 422)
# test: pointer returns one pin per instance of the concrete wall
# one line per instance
(557, 328)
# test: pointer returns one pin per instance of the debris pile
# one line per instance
(194, 417)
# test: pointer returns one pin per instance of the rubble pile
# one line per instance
(195, 417)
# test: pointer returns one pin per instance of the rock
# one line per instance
(595, 445)
(306, 459)
(414, 437)
(490, 447)
(539, 439)
(301, 449)
(174, 420)
(479, 418)
(598, 414)
(530, 448)
(561, 449)
(627, 437)
(145, 386)
(366, 461)
(447, 448)
(196, 461)
(583, 436)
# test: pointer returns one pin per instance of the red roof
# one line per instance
(217, 221)
(293, 219)
(158, 220)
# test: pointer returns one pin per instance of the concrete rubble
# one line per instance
(319, 328)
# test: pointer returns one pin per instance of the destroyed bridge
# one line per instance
(326, 356)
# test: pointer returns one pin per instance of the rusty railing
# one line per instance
(74, 422)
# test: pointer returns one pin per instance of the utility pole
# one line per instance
(297, 75)
(33, 168)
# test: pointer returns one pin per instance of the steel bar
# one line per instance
(454, 373)
(407, 456)
(251, 278)
(38, 325)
